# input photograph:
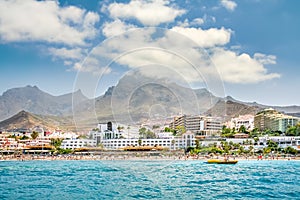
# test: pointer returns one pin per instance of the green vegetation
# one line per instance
(167, 129)
(83, 137)
(12, 136)
(227, 132)
(146, 134)
(120, 128)
(243, 129)
(155, 126)
(293, 130)
(180, 130)
(140, 142)
(64, 151)
(290, 150)
(56, 142)
(34, 135)
(24, 137)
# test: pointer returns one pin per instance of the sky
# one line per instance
(247, 49)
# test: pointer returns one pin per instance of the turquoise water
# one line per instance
(149, 180)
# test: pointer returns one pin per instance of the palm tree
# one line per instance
(197, 144)
(34, 135)
(242, 129)
(140, 142)
(173, 143)
(128, 127)
(251, 149)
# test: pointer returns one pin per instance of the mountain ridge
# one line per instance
(127, 102)
(34, 100)
(26, 120)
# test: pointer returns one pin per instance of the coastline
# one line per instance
(139, 158)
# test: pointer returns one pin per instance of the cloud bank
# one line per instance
(46, 21)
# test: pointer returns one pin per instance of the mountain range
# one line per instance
(26, 120)
(130, 101)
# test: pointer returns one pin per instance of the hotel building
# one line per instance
(274, 120)
(107, 136)
(197, 124)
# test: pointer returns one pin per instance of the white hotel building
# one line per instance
(186, 140)
(110, 138)
(77, 143)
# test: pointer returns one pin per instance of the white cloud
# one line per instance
(116, 27)
(179, 55)
(205, 38)
(197, 21)
(70, 54)
(149, 13)
(265, 59)
(228, 4)
(185, 23)
(46, 21)
(93, 66)
(240, 68)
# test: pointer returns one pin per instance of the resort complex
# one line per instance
(246, 134)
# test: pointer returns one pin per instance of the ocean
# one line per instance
(149, 180)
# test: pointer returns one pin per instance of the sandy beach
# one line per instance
(139, 156)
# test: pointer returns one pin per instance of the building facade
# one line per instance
(186, 140)
(243, 120)
(273, 120)
(113, 139)
(197, 124)
(78, 143)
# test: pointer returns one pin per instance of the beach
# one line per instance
(141, 156)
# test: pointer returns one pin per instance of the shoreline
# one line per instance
(139, 158)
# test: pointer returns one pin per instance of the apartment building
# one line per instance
(202, 125)
(273, 120)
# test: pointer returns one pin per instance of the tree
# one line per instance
(290, 150)
(180, 129)
(291, 131)
(155, 126)
(173, 143)
(254, 133)
(256, 139)
(197, 144)
(251, 149)
(140, 142)
(24, 137)
(167, 129)
(120, 128)
(267, 132)
(34, 135)
(227, 132)
(150, 134)
(272, 145)
(241, 150)
(142, 132)
(242, 129)
(56, 142)
(128, 127)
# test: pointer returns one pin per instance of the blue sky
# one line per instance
(252, 45)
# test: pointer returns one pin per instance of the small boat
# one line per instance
(218, 161)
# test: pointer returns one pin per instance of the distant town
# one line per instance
(269, 132)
